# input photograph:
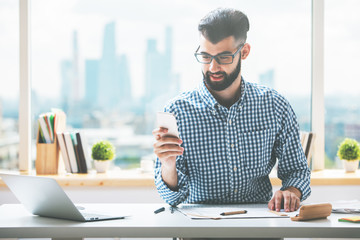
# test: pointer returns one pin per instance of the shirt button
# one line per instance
(232, 145)
(230, 121)
(235, 191)
(235, 168)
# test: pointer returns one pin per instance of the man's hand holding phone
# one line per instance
(167, 147)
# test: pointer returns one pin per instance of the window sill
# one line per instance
(135, 178)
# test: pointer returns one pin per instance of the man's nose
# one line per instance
(214, 66)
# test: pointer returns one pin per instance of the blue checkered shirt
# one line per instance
(229, 153)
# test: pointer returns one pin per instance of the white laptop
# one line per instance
(44, 197)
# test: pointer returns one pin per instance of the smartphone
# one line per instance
(168, 120)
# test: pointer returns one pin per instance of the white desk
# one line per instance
(16, 222)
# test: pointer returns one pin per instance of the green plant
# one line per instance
(349, 149)
(103, 150)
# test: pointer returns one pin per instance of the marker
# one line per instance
(233, 213)
(159, 210)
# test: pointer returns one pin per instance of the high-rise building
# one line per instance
(66, 76)
(71, 82)
(91, 82)
(76, 83)
(124, 82)
(159, 78)
(160, 81)
(114, 83)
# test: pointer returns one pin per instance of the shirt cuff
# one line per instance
(172, 197)
(301, 184)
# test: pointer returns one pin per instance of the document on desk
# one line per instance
(349, 207)
(206, 211)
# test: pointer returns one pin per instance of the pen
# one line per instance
(234, 212)
(159, 210)
(278, 213)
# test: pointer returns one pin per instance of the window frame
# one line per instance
(317, 85)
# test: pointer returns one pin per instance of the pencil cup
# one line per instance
(47, 157)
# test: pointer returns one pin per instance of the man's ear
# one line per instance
(245, 51)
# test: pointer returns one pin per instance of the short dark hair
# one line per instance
(222, 23)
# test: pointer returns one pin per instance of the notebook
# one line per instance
(44, 197)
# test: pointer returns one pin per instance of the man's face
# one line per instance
(217, 76)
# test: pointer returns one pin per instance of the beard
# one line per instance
(225, 82)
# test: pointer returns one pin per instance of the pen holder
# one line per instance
(47, 157)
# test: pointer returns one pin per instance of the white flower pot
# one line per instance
(102, 166)
(350, 166)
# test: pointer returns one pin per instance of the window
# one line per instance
(9, 90)
(110, 66)
(342, 92)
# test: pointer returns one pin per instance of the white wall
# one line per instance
(150, 195)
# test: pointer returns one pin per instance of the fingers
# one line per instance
(271, 204)
(287, 200)
(166, 148)
(292, 201)
(278, 200)
(158, 132)
(167, 140)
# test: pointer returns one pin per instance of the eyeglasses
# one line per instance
(222, 58)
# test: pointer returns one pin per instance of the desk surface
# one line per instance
(16, 222)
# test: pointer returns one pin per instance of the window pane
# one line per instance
(342, 91)
(9, 90)
(110, 66)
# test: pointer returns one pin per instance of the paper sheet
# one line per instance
(205, 211)
(350, 207)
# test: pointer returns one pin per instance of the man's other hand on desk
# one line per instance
(288, 199)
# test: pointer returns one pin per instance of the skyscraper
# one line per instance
(114, 85)
(159, 78)
(76, 83)
(91, 82)
(71, 84)
(66, 76)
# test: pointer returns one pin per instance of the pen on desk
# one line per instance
(233, 213)
(279, 213)
(159, 210)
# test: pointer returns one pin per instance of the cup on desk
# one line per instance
(147, 165)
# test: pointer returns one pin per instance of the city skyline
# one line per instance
(88, 18)
(70, 57)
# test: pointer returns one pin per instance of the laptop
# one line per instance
(44, 197)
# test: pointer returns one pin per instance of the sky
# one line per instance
(280, 37)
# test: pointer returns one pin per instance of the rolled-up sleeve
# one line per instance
(171, 197)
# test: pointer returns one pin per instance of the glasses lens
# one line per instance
(203, 58)
(224, 59)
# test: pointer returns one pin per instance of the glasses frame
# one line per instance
(216, 57)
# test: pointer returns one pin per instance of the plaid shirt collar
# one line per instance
(211, 101)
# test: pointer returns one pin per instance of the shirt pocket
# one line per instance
(256, 148)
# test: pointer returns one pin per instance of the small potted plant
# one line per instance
(102, 153)
(349, 152)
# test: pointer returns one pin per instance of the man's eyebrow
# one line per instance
(224, 52)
